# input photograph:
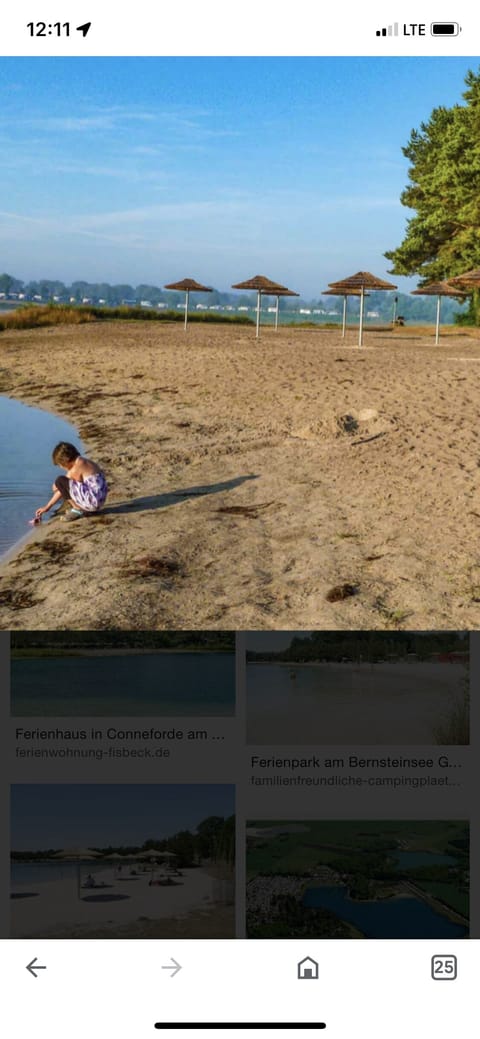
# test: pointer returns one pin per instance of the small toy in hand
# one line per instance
(35, 521)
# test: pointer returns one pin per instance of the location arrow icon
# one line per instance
(84, 28)
(34, 966)
(174, 969)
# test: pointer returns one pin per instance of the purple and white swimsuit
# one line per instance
(89, 494)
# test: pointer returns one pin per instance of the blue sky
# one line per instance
(152, 169)
(86, 815)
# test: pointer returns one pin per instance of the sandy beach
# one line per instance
(125, 906)
(249, 478)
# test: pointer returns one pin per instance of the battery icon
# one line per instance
(445, 29)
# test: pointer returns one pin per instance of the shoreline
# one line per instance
(14, 550)
(47, 654)
(253, 505)
(22, 541)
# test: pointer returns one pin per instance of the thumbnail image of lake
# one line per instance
(399, 702)
(368, 878)
(123, 684)
(27, 472)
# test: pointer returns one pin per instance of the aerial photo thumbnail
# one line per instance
(371, 879)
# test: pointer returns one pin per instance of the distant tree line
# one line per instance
(366, 645)
(212, 841)
(413, 308)
(154, 640)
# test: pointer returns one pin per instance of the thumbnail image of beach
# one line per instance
(326, 687)
(372, 879)
(140, 861)
(55, 674)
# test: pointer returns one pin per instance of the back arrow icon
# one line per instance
(34, 966)
(175, 969)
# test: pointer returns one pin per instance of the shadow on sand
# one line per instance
(104, 898)
(162, 501)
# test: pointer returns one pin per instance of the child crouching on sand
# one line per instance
(84, 487)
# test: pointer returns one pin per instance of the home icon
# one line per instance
(307, 969)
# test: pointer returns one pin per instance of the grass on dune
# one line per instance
(62, 314)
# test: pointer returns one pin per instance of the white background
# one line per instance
(215, 27)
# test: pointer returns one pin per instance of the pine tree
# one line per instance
(443, 238)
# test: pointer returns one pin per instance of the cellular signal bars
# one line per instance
(390, 30)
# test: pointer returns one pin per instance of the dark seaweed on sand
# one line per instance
(340, 592)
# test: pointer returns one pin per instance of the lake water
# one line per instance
(413, 859)
(387, 703)
(27, 436)
(389, 918)
(23, 874)
(148, 684)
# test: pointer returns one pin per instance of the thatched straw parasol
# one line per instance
(186, 286)
(352, 292)
(78, 855)
(362, 280)
(469, 280)
(284, 292)
(263, 287)
(438, 289)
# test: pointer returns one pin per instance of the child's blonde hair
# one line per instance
(64, 454)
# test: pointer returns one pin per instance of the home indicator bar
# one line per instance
(242, 1024)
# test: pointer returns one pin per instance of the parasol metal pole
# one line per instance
(394, 315)
(360, 328)
(186, 310)
(344, 319)
(276, 313)
(257, 333)
(437, 326)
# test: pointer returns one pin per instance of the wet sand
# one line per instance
(248, 479)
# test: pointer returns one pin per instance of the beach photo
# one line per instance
(140, 861)
(245, 382)
(373, 879)
(150, 674)
(326, 687)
